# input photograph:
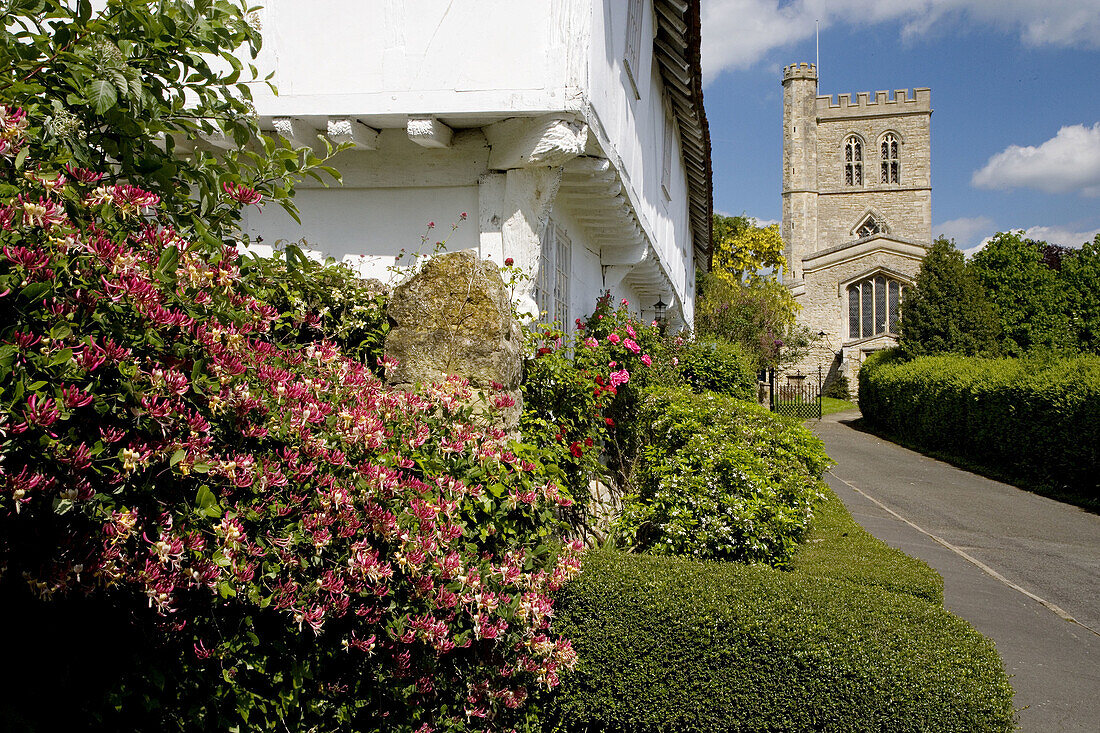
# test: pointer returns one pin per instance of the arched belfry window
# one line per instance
(891, 161)
(873, 306)
(853, 161)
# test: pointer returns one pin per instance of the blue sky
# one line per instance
(1015, 98)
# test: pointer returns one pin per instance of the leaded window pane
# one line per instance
(848, 175)
(853, 312)
(868, 314)
(895, 297)
(858, 150)
(880, 304)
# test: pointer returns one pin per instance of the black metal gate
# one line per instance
(800, 397)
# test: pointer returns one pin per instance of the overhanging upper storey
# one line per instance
(676, 47)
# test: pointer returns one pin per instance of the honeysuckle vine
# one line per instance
(160, 443)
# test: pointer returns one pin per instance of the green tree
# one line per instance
(116, 90)
(1030, 301)
(1080, 276)
(947, 311)
(741, 249)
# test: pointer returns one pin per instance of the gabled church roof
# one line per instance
(846, 251)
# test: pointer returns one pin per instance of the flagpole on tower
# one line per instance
(817, 39)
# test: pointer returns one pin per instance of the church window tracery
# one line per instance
(874, 305)
(853, 161)
(869, 226)
(891, 161)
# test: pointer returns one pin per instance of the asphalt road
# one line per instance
(1023, 569)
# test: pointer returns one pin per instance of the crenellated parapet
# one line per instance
(800, 71)
(901, 101)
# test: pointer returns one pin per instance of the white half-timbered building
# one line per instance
(571, 132)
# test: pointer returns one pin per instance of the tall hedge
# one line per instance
(671, 644)
(1031, 419)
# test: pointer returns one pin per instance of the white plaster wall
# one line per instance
(632, 131)
(376, 221)
(417, 56)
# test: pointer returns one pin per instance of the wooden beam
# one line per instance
(346, 130)
(297, 132)
(524, 142)
(428, 132)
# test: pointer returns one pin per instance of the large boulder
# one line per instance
(455, 317)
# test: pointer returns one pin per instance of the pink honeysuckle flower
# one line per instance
(243, 195)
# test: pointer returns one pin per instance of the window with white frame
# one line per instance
(874, 305)
(891, 162)
(552, 281)
(666, 157)
(632, 56)
(853, 161)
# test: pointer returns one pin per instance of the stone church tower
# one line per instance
(857, 213)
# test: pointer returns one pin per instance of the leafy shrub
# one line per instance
(114, 87)
(673, 644)
(947, 310)
(759, 315)
(1033, 420)
(717, 366)
(307, 548)
(720, 478)
(839, 549)
(579, 390)
(320, 301)
(837, 388)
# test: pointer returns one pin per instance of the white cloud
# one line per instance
(1064, 236)
(1069, 161)
(966, 231)
(1060, 235)
(739, 33)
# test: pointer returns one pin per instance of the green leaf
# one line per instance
(169, 258)
(103, 95)
(21, 156)
(35, 290)
(62, 357)
(176, 458)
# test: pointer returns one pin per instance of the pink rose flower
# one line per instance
(620, 377)
(591, 342)
(614, 338)
(646, 360)
(630, 331)
(629, 343)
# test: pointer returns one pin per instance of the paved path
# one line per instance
(1024, 570)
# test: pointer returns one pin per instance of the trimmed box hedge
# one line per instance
(671, 644)
(839, 549)
(1030, 420)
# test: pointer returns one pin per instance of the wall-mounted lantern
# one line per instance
(659, 309)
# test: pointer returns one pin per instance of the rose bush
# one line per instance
(165, 449)
(579, 389)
